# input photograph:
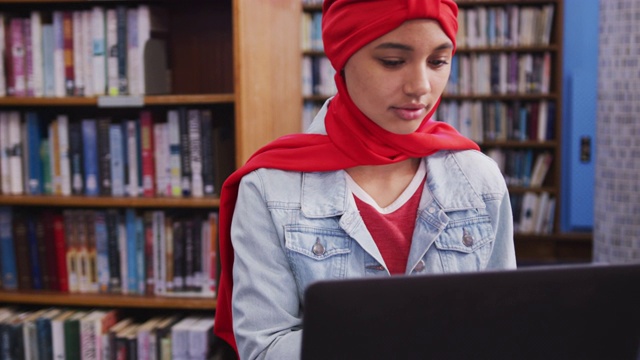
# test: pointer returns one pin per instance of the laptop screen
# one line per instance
(556, 312)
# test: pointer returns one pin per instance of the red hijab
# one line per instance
(352, 139)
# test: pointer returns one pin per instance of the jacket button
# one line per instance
(467, 239)
(419, 266)
(318, 248)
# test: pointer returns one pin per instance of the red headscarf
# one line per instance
(352, 139)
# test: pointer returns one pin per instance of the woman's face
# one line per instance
(396, 79)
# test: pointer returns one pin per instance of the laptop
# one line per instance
(553, 312)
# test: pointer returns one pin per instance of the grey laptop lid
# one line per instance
(556, 312)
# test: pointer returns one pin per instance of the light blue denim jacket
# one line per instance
(464, 224)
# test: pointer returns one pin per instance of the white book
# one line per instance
(3, 79)
(58, 54)
(132, 158)
(36, 54)
(78, 52)
(25, 157)
(146, 331)
(173, 124)
(144, 34)
(200, 338)
(180, 337)
(57, 334)
(197, 185)
(15, 154)
(528, 212)
(99, 50)
(541, 212)
(87, 53)
(5, 178)
(111, 36)
(161, 149)
(63, 151)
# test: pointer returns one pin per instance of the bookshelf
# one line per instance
(228, 57)
(528, 73)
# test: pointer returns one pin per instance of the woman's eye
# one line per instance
(391, 63)
(438, 62)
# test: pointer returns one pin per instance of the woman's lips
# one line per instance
(410, 113)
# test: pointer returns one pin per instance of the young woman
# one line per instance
(376, 188)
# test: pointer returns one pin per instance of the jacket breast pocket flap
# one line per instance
(317, 244)
(466, 235)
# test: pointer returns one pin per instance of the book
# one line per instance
(15, 153)
(63, 154)
(116, 143)
(104, 156)
(121, 41)
(58, 335)
(36, 261)
(111, 36)
(195, 152)
(185, 152)
(541, 168)
(132, 251)
(72, 337)
(113, 249)
(132, 140)
(22, 252)
(133, 53)
(102, 251)
(144, 333)
(79, 53)
(35, 183)
(57, 249)
(43, 328)
(5, 175)
(71, 250)
(17, 84)
(37, 64)
(173, 124)
(180, 337)
(87, 52)
(162, 334)
(58, 54)
(109, 338)
(147, 153)
(3, 79)
(76, 158)
(67, 42)
(99, 55)
(90, 157)
(208, 154)
(7, 250)
(200, 338)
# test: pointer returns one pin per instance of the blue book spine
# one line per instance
(34, 259)
(33, 142)
(132, 258)
(140, 252)
(90, 154)
(102, 251)
(117, 160)
(9, 269)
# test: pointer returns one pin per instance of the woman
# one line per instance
(376, 188)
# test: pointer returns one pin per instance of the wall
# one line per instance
(617, 185)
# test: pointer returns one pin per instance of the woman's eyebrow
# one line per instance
(400, 46)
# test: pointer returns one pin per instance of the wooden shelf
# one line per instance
(521, 144)
(183, 99)
(52, 298)
(106, 201)
(502, 97)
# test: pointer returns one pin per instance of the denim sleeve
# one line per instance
(503, 255)
(265, 305)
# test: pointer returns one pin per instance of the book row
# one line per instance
(109, 334)
(89, 52)
(500, 73)
(145, 156)
(484, 121)
(317, 76)
(522, 167)
(110, 251)
(478, 26)
(507, 25)
(533, 213)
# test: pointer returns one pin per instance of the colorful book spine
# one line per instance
(37, 54)
(121, 39)
(117, 160)
(195, 151)
(63, 154)
(185, 152)
(17, 77)
(208, 156)
(76, 158)
(67, 36)
(48, 48)
(132, 251)
(131, 131)
(173, 124)
(35, 183)
(104, 156)
(102, 251)
(99, 54)
(111, 36)
(78, 53)
(147, 151)
(90, 155)
(7, 250)
(15, 153)
(28, 56)
(58, 249)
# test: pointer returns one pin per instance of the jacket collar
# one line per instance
(325, 194)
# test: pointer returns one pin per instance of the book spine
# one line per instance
(58, 54)
(23, 256)
(208, 163)
(15, 153)
(98, 50)
(67, 34)
(43, 234)
(133, 53)
(3, 78)
(7, 250)
(28, 56)
(111, 35)
(121, 36)
(147, 150)
(18, 85)
(117, 160)
(48, 48)
(35, 165)
(57, 254)
(140, 256)
(90, 155)
(71, 250)
(78, 53)
(195, 151)
(185, 152)
(75, 158)
(173, 124)
(63, 151)
(91, 257)
(132, 251)
(87, 53)
(131, 132)
(102, 251)
(104, 156)
(160, 140)
(113, 245)
(159, 250)
(148, 253)
(178, 256)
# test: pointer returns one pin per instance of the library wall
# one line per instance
(617, 190)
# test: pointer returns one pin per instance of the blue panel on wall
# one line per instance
(580, 92)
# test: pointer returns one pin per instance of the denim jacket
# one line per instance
(290, 229)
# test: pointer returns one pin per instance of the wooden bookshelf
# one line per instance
(233, 57)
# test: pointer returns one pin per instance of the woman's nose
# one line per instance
(417, 82)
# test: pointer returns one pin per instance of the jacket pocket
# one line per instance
(316, 253)
(466, 244)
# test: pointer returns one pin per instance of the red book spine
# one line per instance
(148, 166)
(60, 252)
(17, 77)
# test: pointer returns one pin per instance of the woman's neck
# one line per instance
(385, 183)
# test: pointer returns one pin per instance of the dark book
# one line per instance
(72, 336)
(197, 255)
(104, 156)
(208, 155)
(43, 328)
(76, 158)
(148, 252)
(58, 252)
(113, 249)
(35, 259)
(163, 331)
(178, 256)
(23, 258)
(185, 153)
(121, 38)
(44, 236)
